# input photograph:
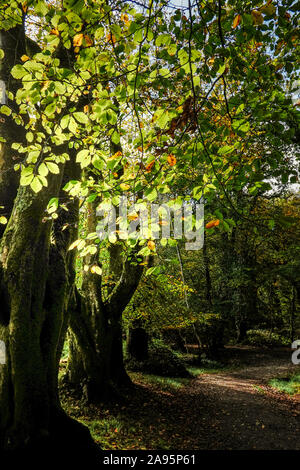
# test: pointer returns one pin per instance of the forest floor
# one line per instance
(233, 408)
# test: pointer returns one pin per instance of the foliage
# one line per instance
(162, 361)
(289, 385)
(265, 338)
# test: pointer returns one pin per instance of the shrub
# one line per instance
(265, 338)
(161, 361)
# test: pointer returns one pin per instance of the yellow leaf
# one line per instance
(96, 270)
(86, 108)
(236, 21)
(74, 244)
(257, 17)
(151, 245)
(77, 40)
(24, 58)
(124, 186)
(3, 220)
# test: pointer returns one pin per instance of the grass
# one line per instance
(259, 389)
(164, 383)
(196, 370)
(289, 385)
(139, 423)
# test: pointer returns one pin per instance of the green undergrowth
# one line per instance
(289, 385)
(165, 383)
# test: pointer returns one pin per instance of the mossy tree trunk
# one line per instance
(36, 281)
(96, 353)
(95, 362)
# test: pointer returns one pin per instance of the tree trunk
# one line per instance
(137, 342)
(36, 279)
(95, 362)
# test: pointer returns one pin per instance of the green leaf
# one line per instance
(81, 117)
(50, 109)
(26, 176)
(52, 167)
(36, 185)
(43, 170)
(52, 205)
(18, 71)
(5, 110)
(115, 138)
(84, 158)
(151, 194)
(226, 149)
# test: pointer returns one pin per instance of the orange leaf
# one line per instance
(124, 17)
(110, 38)
(150, 165)
(54, 31)
(86, 108)
(24, 58)
(236, 21)
(212, 223)
(77, 40)
(24, 6)
(88, 40)
(115, 155)
(171, 160)
(151, 245)
(133, 217)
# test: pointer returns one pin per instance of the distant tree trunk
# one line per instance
(207, 273)
(137, 342)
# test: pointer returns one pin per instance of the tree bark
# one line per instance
(137, 342)
(95, 362)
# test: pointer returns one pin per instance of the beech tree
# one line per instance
(184, 91)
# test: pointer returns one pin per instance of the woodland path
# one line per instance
(238, 410)
(233, 409)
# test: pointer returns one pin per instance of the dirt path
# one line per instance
(238, 410)
(233, 409)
